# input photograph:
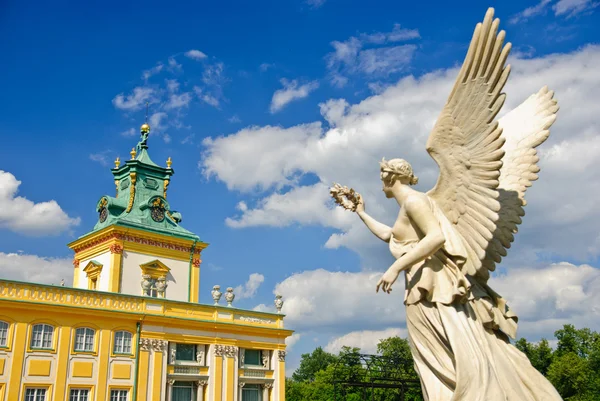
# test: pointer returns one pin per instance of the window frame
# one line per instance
(90, 395)
(7, 334)
(53, 337)
(36, 388)
(131, 342)
(127, 390)
(93, 336)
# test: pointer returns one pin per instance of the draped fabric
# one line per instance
(459, 331)
(183, 391)
(251, 393)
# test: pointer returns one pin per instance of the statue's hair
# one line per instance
(397, 168)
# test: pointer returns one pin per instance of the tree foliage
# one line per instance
(573, 367)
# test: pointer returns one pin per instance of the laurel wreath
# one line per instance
(346, 197)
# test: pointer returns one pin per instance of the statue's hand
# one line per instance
(360, 207)
(387, 280)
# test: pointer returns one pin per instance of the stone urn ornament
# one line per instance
(216, 294)
(146, 283)
(229, 296)
(278, 303)
(161, 286)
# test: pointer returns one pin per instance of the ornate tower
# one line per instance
(137, 246)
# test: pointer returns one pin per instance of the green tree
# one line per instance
(312, 363)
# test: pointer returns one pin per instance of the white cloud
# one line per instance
(314, 299)
(315, 3)
(529, 12)
(291, 340)
(206, 97)
(195, 55)
(396, 123)
(135, 101)
(248, 290)
(178, 101)
(36, 269)
(572, 8)
(265, 66)
(100, 157)
(152, 71)
(130, 132)
(366, 340)
(23, 216)
(290, 92)
(234, 119)
(172, 85)
(174, 66)
(166, 138)
(156, 121)
(353, 57)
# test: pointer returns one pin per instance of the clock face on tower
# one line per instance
(103, 214)
(158, 214)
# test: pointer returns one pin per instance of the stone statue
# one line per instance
(448, 239)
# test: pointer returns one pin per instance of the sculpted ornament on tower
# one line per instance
(447, 240)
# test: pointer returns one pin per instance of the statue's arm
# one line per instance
(418, 211)
(380, 230)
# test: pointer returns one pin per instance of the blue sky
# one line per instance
(240, 92)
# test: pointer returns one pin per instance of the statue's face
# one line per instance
(387, 185)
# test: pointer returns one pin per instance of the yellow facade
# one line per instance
(108, 343)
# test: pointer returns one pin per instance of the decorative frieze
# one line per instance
(138, 240)
(228, 351)
(147, 344)
(116, 248)
(281, 355)
(252, 319)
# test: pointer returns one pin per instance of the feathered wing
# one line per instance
(524, 129)
(466, 143)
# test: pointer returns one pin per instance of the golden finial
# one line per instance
(117, 162)
(169, 162)
(132, 153)
(145, 128)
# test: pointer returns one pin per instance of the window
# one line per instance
(183, 391)
(35, 394)
(84, 339)
(3, 334)
(122, 343)
(152, 291)
(79, 394)
(252, 357)
(41, 337)
(251, 392)
(185, 352)
(118, 395)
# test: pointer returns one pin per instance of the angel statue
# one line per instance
(448, 240)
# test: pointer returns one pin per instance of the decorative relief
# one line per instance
(219, 350)
(241, 384)
(165, 186)
(170, 382)
(196, 262)
(173, 354)
(230, 351)
(151, 183)
(147, 344)
(201, 383)
(133, 177)
(256, 320)
(200, 357)
(267, 386)
(75, 263)
(265, 358)
(281, 355)
(116, 248)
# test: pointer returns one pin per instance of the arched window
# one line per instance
(122, 342)
(3, 334)
(84, 339)
(41, 336)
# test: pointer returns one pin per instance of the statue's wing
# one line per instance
(524, 129)
(466, 142)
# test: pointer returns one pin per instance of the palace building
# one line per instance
(131, 327)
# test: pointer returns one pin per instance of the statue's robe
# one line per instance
(459, 331)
